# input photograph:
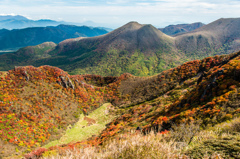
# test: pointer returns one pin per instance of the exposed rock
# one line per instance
(25, 74)
(66, 82)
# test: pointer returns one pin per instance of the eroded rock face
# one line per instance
(66, 82)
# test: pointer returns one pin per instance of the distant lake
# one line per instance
(7, 51)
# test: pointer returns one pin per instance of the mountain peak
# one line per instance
(131, 37)
(132, 25)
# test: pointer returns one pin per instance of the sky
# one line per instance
(115, 13)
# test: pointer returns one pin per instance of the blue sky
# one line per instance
(114, 13)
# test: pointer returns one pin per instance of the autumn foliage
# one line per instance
(38, 103)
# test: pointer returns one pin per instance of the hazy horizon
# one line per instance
(116, 13)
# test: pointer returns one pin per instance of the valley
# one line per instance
(134, 92)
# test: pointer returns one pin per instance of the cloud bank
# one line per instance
(115, 13)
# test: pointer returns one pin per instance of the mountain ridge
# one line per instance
(16, 17)
(18, 38)
(178, 29)
(139, 49)
(212, 36)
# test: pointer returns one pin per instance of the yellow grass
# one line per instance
(80, 131)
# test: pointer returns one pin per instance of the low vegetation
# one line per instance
(183, 106)
(209, 143)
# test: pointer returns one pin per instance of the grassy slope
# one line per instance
(81, 130)
(114, 63)
(177, 96)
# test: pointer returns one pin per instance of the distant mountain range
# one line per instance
(134, 48)
(19, 22)
(17, 38)
(180, 28)
(13, 17)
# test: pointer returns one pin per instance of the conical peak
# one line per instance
(133, 25)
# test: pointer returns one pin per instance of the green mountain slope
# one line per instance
(133, 48)
(26, 55)
(17, 38)
(138, 49)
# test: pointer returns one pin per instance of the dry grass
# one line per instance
(150, 146)
(133, 146)
(128, 146)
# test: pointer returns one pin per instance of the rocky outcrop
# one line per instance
(66, 82)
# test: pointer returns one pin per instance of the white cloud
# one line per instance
(119, 2)
(12, 14)
(118, 12)
(143, 4)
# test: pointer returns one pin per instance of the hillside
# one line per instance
(209, 91)
(180, 28)
(26, 55)
(134, 48)
(203, 92)
(38, 104)
(218, 37)
(18, 38)
(206, 96)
